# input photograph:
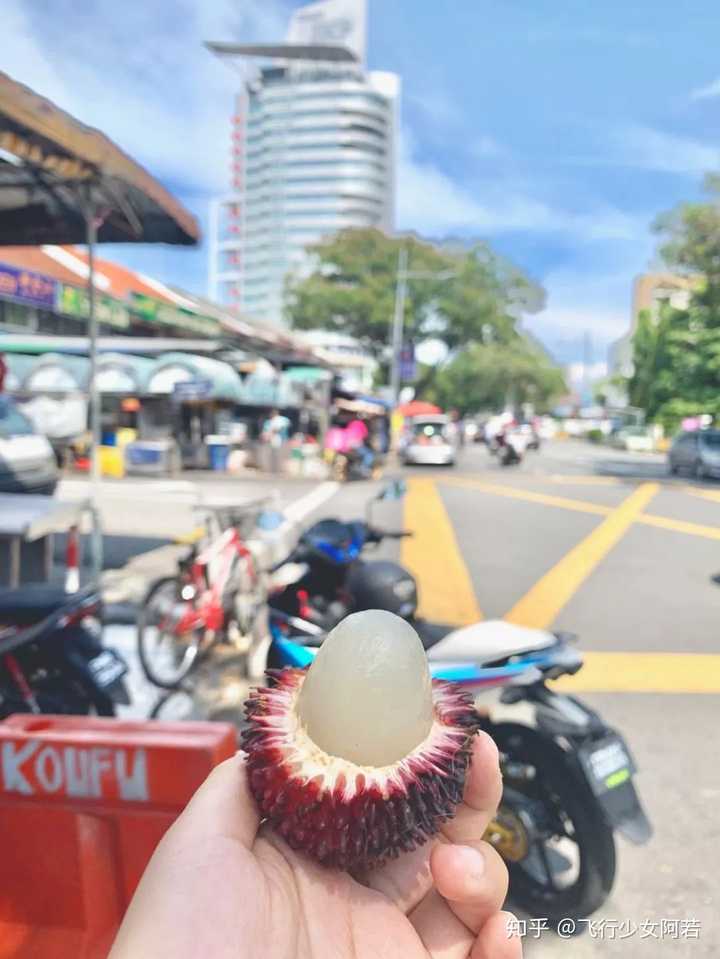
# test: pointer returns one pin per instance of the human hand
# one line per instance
(220, 886)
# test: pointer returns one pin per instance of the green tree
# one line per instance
(676, 353)
(487, 376)
(352, 289)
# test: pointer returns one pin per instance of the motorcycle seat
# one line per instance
(490, 641)
(31, 603)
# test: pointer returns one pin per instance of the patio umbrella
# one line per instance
(64, 182)
(418, 408)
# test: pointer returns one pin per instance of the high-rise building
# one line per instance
(313, 152)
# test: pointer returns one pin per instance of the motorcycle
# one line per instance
(349, 465)
(332, 577)
(510, 448)
(567, 775)
(52, 659)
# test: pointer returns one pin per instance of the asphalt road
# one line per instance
(605, 545)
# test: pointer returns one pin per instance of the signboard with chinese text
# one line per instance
(74, 301)
(24, 286)
(157, 312)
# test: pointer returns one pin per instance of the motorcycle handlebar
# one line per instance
(379, 534)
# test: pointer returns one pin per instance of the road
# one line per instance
(605, 545)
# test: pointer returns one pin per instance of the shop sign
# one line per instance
(157, 312)
(74, 301)
(197, 389)
(27, 287)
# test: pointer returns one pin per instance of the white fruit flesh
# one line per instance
(367, 696)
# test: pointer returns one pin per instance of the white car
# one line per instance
(27, 462)
(429, 440)
(634, 439)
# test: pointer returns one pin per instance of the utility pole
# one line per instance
(396, 341)
(397, 326)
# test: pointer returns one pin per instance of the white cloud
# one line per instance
(151, 86)
(650, 149)
(709, 92)
(431, 202)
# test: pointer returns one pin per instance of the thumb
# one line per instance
(222, 806)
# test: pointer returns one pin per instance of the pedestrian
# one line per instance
(275, 432)
(222, 886)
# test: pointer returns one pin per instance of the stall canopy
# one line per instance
(51, 166)
(120, 373)
(191, 377)
(58, 373)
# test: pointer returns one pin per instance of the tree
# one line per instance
(352, 290)
(676, 353)
(487, 376)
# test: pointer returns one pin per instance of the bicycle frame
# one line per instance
(208, 576)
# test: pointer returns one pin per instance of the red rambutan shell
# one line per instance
(341, 814)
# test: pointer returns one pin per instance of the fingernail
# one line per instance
(472, 863)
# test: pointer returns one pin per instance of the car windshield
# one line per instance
(429, 430)
(711, 439)
(12, 421)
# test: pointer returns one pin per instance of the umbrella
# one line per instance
(64, 182)
(418, 408)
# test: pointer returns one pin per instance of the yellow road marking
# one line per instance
(549, 595)
(434, 557)
(679, 525)
(709, 494)
(584, 506)
(645, 673)
(582, 480)
(563, 502)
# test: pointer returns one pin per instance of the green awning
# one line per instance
(307, 374)
(191, 377)
(19, 365)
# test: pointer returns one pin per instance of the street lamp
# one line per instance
(403, 275)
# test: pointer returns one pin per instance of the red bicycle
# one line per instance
(218, 595)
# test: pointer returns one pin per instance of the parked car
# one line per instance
(429, 440)
(27, 461)
(634, 439)
(697, 452)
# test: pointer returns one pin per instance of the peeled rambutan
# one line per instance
(362, 756)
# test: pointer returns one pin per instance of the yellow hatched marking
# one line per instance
(541, 605)
(679, 526)
(530, 496)
(645, 673)
(433, 556)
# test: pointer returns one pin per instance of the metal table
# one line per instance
(27, 523)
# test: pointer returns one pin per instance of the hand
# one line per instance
(221, 887)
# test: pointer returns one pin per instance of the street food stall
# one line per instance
(204, 394)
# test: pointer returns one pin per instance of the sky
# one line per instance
(556, 130)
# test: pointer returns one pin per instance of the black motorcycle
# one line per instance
(337, 580)
(52, 659)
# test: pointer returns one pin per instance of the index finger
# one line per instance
(481, 798)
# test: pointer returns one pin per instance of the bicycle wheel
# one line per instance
(166, 654)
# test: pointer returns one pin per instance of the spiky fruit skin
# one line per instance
(347, 816)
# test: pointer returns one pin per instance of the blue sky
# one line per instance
(555, 129)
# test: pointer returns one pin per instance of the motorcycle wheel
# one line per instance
(545, 883)
(166, 658)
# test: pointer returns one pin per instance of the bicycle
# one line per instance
(218, 595)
